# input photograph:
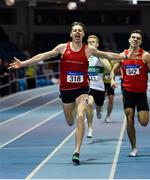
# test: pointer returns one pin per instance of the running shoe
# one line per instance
(90, 133)
(133, 153)
(99, 115)
(75, 159)
(60, 96)
(107, 120)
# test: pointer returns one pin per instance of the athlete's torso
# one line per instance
(95, 71)
(135, 74)
(74, 69)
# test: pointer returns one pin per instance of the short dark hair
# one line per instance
(78, 23)
(139, 31)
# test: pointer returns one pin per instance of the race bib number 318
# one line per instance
(74, 77)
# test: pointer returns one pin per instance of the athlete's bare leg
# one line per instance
(130, 126)
(98, 111)
(110, 104)
(70, 112)
(89, 112)
(143, 117)
(109, 107)
(81, 105)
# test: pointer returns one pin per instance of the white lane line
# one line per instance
(27, 100)
(49, 156)
(9, 120)
(34, 127)
(114, 163)
(39, 107)
(55, 150)
(26, 92)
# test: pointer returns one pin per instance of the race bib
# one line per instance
(132, 70)
(94, 78)
(94, 72)
(74, 77)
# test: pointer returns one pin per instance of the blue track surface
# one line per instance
(36, 143)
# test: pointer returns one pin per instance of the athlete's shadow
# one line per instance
(143, 155)
(112, 122)
(96, 141)
(138, 159)
(94, 162)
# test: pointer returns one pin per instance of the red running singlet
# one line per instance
(135, 73)
(74, 69)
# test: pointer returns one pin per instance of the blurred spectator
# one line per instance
(4, 78)
(3, 68)
(21, 79)
(30, 72)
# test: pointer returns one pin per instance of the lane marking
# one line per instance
(50, 156)
(26, 91)
(34, 127)
(27, 100)
(52, 153)
(115, 160)
(34, 109)
(56, 149)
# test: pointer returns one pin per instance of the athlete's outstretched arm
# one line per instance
(110, 55)
(39, 57)
(113, 56)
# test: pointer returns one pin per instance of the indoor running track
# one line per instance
(36, 143)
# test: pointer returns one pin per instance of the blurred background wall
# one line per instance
(28, 27)
(41, 24)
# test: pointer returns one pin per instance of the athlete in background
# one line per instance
(97, 89)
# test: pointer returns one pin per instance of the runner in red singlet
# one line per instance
(74, 81)
(135, 82)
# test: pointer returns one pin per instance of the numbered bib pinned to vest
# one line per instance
(75, 77)
(132, 70)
